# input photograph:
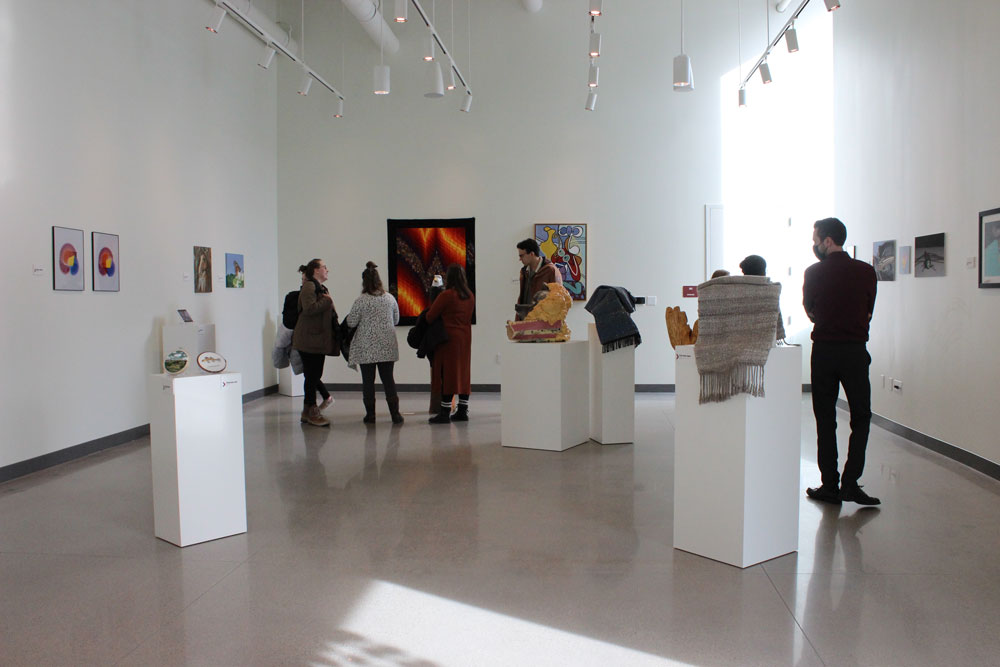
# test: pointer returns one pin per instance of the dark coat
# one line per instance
(453, 359)
(425, 336)
(314, 331)
(546, 273)
(612, 308)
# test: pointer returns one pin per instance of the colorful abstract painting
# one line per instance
(566, 247)
(202, 270)
(235, 276)
(67, 259)
(419, 249)
(106, 271)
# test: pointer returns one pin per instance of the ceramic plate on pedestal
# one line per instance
(211, 362)
(176, 362)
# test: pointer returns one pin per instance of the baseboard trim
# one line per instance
(965, 457)
(74, 452)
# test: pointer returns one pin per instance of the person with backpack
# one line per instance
(314, 337)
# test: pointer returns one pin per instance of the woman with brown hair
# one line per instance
(314, 337)
(453, 359)
(375, 314)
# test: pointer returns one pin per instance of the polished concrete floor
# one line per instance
(419, 545)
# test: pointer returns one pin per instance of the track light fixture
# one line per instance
(832, 5)
(591, 101)
(340, 109)
(595, 44)
(400, 13)
(743, 97)
(467, 103)
(435, 82)
(596, 7)
(791, 38)
(595, 72)
(218, 16)
(267, 56)
(305, 83)
(429, 54)
(451, 77)
(765, 72)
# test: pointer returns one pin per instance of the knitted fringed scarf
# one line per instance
(738, 318)
(611, 308)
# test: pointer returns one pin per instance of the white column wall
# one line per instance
(917, 142)
(638, 171)
(127, 117)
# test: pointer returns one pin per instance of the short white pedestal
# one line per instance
(196, 434)
(544, 395)
(192, 337)
(736, 465)
(290, 384)
(612, 392)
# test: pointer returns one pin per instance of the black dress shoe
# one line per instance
(827, 494)
(854, 494)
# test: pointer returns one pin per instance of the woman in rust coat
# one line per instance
(453, 359)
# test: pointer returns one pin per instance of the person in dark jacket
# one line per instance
(453, 359)
(313, 336)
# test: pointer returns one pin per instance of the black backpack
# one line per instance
(290, 312)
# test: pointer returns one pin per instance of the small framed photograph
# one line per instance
(105, 267)
(884, 259)
(185, 315)
(904, 259)
(989, 248)
(67, 259)
(929, 260)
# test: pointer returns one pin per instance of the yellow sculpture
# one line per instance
(677, 327)
(546, 322)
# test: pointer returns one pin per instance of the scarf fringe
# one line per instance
(627, 341)
(741, 379)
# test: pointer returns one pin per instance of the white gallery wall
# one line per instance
(127, 117)
(638, 171)
(918, 152)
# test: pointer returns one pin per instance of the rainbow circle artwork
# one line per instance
(67, 259)
(106, 269)
(106, 262)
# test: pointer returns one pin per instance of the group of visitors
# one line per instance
(367, 338)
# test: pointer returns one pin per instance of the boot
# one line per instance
(315, 417)
(393, 402)
(462, 413)
(369, 410)
(443, 416)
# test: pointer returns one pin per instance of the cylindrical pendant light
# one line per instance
(591, 101)
(743, 97)
(832, 4)
(683, 75)
(467, 103)
(435, 82)
(595, 73)
(765, 72)
(340, 109)
(305, 83)
(791, 39)
(400, 13)
(595, 44)
(381, 79)
(596, 7)
(451, 77)
(218, 16)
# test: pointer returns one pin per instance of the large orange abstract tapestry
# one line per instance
(419, 249)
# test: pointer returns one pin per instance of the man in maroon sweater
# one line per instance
(838, 294)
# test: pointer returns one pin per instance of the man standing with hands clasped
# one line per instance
(838, 294)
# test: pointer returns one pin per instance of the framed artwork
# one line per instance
(989, 248)
(904, 259)
(67, 259)
(234, 270)
(202, 270)
(929, 259)
(566, 247)
(185, 315)
(105, 269)
(419, 249)
(884, 259)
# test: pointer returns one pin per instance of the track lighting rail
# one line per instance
(451, 61)
(774, 42)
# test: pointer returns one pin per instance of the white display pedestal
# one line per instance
(612, 392)
(544, 395)
(290, 384)
(196, 435)
(192, 337)
(736, 465)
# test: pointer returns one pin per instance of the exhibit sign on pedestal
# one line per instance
(196, 444)
(736, 464)
(612, 392)
(544, 395)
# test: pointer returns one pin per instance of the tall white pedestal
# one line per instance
(612, 392)
(736, 465)
(544, 395)
(290, 384)
(192, 337)
(196, 434)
